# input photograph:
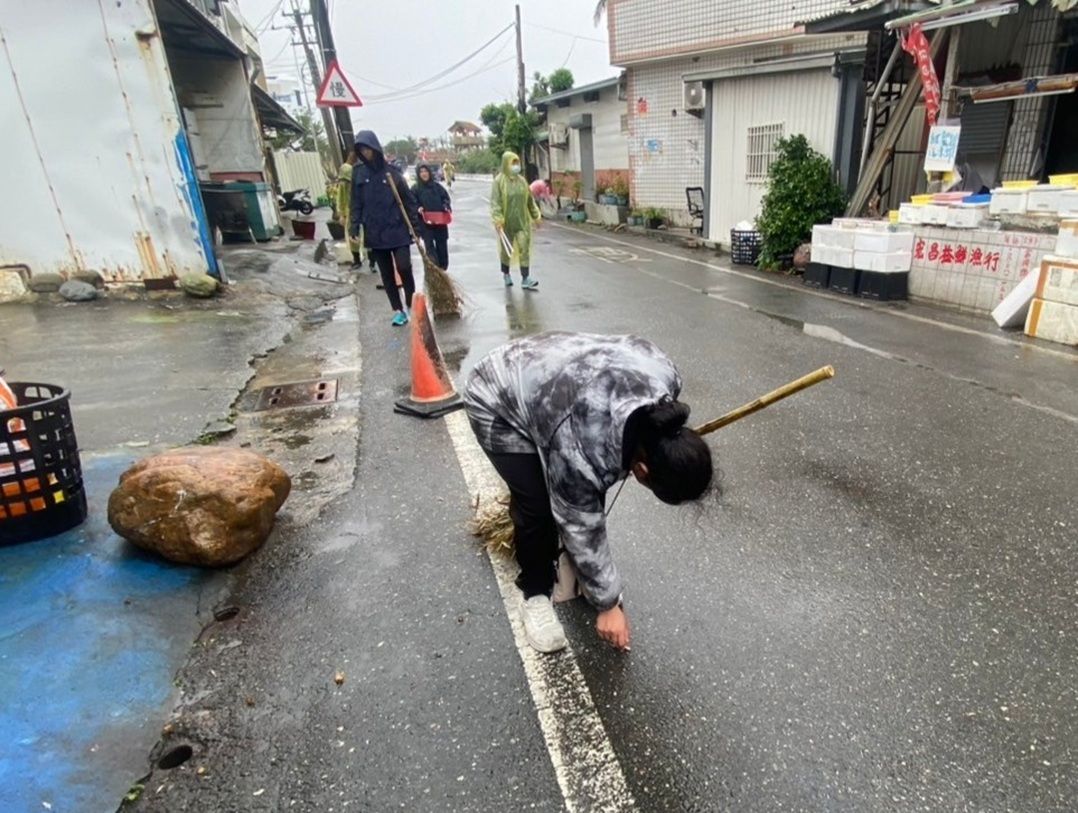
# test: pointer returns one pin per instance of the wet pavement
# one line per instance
(878, 612)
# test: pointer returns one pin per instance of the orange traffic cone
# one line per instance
(433, 394)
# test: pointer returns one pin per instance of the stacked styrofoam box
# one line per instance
(1053, 313)
(884, 252)
(1008, 202)
(1068, 203)
(833, 245)
(1067, 240)
(967, 215)
(973, 269)
(1044, 199)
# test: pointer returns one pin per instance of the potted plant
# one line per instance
(559, 188)
(620, 189)
(635, 218)
(608, 198)
(654, 218)
(577, 186)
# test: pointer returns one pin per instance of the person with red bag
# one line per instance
(436, 209)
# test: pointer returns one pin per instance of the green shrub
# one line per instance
(479, 162)
(801, 192)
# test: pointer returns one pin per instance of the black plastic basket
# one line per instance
(744, 247)
(41, 488)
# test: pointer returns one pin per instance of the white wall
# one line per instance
(217, 92)
(804, 102)
(666, 144)
(609, 143)
(91, 176)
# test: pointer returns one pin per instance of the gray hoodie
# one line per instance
(567, 397)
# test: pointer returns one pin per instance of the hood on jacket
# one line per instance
(367, 138)
(508, 159)
(429, 169)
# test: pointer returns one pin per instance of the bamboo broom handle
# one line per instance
(772, 397)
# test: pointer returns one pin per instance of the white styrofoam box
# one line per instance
(1008, 202)
(1057, 280)
(859, 224)
(910, 214)
(1067, 241)
(967, 215)
(1053, 321)
(839, 257)
(833, 237)
(936, 214)
(884, 242)
(891, 262)
(1044, 198)
(1068, 202)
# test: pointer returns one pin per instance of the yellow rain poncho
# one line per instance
(344, 205)
(513, 210)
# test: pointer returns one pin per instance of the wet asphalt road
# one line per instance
(879, 612)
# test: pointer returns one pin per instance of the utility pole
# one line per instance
(522, 104)
(324, 34)
(316, 79)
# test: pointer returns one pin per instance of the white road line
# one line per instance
(809, 292)
(585, 765)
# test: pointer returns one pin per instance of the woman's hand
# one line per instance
(613, 627)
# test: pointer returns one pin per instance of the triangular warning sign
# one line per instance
(336, 91)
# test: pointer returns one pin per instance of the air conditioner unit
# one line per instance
(558, 134)
(695, 97)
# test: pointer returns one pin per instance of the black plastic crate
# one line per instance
(844, 280)
(817, 275)
(41, 488)
(745, 247)
(883, 287)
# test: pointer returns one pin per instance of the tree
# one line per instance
(600, 10)
(560, 80)
(312, 139)
(801, 192)
(540, 87)
(404, 148)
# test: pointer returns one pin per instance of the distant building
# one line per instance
(466, 137)
(584, 138)
(286, 91)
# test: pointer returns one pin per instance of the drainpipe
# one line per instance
(870, 115)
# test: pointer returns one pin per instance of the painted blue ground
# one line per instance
(91, 633)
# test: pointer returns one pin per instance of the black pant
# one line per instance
(437, 241)
(535, 534)
(384, 257)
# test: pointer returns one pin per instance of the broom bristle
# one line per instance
(493, 525)
(445, 299)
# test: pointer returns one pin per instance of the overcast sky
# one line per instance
(397, 44)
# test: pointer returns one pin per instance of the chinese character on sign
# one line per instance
(991, 260)
(337, 89)
(919, 249)
(960, 254)
(977, 258)
(947, 255)
(934, 252)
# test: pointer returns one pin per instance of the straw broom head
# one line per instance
(445, 298)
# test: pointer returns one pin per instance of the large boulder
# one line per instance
(200, 286)
(199, 506)
(12, 287)
(75, 291)
(45, 283)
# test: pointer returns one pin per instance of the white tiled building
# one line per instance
(711, 85)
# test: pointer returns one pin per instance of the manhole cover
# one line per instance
(300, 393)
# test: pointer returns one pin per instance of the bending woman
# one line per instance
(563, 417)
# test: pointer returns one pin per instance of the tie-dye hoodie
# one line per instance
(567, 397)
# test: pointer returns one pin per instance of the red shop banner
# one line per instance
(915, 43)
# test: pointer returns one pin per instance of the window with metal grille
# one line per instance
(761, 150)
(625, 122)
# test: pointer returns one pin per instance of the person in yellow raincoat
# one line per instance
(450, 173)
(514, 212)
(344, 208)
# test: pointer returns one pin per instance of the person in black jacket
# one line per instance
(375, 209)
(434, 206)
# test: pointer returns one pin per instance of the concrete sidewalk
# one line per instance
(92, 630)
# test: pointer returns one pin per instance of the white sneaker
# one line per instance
(541, 626)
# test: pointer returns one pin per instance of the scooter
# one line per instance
(298, 200)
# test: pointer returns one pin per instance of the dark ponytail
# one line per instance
(678, 460)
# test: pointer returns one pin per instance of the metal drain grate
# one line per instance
(299, 393)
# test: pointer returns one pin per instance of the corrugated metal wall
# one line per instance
(804, 102)
(300, 170)
(91, 145)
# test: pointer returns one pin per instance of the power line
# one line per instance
(449, 70)
(565, 33)
(446, 85)
(264, 24)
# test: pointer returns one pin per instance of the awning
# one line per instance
(793, 64)
(185, 28)
(865, 16)
(271, 114)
